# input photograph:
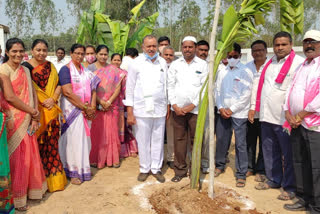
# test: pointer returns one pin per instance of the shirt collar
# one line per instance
(315, 60)
(194, 60)
(274, 59)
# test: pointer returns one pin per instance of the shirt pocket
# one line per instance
(286, 83)
(196, 79)
(236, 85)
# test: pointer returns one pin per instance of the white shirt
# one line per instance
(233, 90)
(145, 79)
(256, 77)
(185, 82)
(59, 64)
(308, 72)
(1, 59)
(273, 94)
(126, 61)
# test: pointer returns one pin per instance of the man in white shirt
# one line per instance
(168, 55)
(233, 92)
(60, 61)
(273, 83)
(186, 76)
(302, 110)
(131, 54)
(203, 49)
(255, 164)
(146, 103)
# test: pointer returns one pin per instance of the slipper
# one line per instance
(262, 186)
(217, 172)
(116, 165)
(178, 178)
(76, 181)
(260, 178)
(285, 196)
(249, 173)
(23, 209)
(240, 183)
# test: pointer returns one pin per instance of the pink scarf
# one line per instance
(281, 76)
(312, 90)
(81, 87)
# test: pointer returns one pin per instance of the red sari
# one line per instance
(28, 178)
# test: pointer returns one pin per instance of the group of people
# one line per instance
(60, 118)
(59, 123)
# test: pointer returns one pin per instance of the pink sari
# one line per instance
(28, 178)
(105, 138)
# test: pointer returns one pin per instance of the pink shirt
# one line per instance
(308, 72)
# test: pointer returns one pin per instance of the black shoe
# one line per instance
(298, 206)
(159, 176)
(143, 176)
(170, 164)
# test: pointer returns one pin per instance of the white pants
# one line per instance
(150, 137)
(170, 138)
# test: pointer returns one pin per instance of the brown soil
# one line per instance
(182, 199)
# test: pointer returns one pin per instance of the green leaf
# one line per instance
(259, 19)
(229, 20)
(98, 5)
(135, 12)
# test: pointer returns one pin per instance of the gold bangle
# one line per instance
(85, 107)
(109, 102)
(54, 99)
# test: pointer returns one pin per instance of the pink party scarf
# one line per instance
(312, 90)
(281, 76)
(81, 87)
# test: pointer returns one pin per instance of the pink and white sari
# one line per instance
(75, 142)
(105, 127)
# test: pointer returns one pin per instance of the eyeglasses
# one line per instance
(234, 57)
(311, 42)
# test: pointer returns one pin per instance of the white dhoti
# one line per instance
(74, 150)
(150, 138)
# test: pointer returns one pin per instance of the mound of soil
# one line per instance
(182, 199)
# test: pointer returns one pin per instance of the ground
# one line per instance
(114, 191)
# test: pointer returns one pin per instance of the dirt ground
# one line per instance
(114, 191)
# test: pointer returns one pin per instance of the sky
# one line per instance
(70, 20)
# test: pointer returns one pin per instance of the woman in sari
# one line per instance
(129, 145)
(6, 200)
(102, 57)
(105, 127)
(90, 55)
(45, 81)
(78, 104)
(28, 178)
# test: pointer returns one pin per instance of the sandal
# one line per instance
(285, 196)
(76, 181)
(262, 186)
(260, 178)
(94, 165)
(241, 183)
(23, 209)
(178, 178)
(217, 172)
(116, 165)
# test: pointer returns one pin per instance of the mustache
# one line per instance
(309, 49)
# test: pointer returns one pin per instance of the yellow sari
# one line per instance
(45, 80)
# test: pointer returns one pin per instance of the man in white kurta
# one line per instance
(146, 103)
(186, 76)
(274, 81)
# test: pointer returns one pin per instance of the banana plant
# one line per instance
(237, 27)
(98, 28)
(291, 16)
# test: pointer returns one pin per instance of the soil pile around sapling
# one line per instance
(182, 199)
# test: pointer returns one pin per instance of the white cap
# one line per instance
(312, 34)
(189, 38)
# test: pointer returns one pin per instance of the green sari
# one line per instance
(6, 200)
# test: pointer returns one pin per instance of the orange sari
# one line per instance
(28, 179)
